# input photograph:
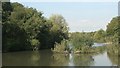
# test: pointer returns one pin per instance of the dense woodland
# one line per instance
(26, 28)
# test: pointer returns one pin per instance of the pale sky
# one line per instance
(64, 0)
(80, 16)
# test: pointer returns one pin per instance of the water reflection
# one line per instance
(71, 63)
(19, 59)
(47, 58)
(60, 60)
(83, 60)
(38, 58)
(113, 58)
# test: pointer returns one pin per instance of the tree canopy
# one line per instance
(113, 30)
(27, 28)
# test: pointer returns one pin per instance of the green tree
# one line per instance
(14, 38)
(81, 40)
(6, 11)
(59, 30)
(29, 19)
(113, 30)
(99, 36)
(44, 36)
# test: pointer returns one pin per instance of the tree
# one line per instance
(59, 30)
(44, 36)
(6, 11)
(14, 38)
(99, 36)
(113, 29)
(81, 40)
(29, 19)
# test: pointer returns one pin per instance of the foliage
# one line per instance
(99, 36)
(60, 47)
(28, 27)
(113, 30)
(81, 41)
(35, 42)
(14, 38)
(6, 11)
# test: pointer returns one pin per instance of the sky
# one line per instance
(64, 0)
(80, 16)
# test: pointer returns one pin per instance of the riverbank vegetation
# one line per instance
(30, 30)
(81, 41)
(113, 34)
(61, 47)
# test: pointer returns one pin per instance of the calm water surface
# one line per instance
(47, 58)
(36, 58)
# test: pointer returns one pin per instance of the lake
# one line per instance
(47, 58)
(37, 58)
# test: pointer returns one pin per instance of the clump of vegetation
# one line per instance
(99, 49)
(81, 41)
(99, 36)
(60, 47)
(35, 44)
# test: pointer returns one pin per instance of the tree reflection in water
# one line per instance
(60, 60)
(113, 58)
(113, 53)
(47, 58)
(83, 60)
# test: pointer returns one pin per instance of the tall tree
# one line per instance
(59, 31)
(113, 29)
(14, 37)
